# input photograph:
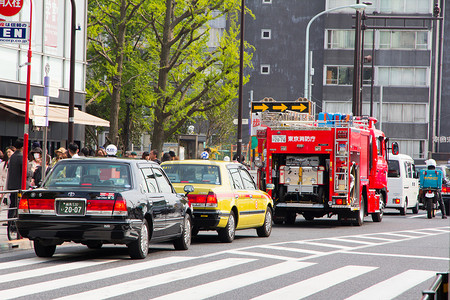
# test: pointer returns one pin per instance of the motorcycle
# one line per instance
(431, 201)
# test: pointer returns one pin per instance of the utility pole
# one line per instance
(356, 104)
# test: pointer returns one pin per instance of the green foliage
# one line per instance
(168, 69)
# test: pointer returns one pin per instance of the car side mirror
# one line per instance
(188, 189)
(270, 186)
(395, 148)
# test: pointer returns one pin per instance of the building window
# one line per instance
(392, 112)
(265, 69)
(345, 39)
(398, 76)
(267, 1)
(413, 148)
(336, 3)
(343, 75)
(405, 112)
(404, 40)
(266, 34)
(405, 6)
(385, 6)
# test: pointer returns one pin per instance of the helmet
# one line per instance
(430, 162)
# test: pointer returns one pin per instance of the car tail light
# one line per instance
(99, 207)
(42, 206)
(397, 201)
(23, 206)
(211, 199)
(196, 198)
(120, 206)
(203, 200)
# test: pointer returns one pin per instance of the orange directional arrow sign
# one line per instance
(301, 107)
(261, 107)
(281, 107)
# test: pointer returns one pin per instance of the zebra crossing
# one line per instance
(29, 278)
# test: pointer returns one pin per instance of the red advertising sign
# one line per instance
(51, 24)
(10, 8)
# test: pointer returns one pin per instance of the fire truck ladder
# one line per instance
(341, 159)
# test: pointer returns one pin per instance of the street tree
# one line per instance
(163, 55)
(114, 28)
(195, 71)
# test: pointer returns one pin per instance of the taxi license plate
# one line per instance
(71, 207)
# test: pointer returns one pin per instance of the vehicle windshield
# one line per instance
(186, 173)
(393, 168)
(89, 174)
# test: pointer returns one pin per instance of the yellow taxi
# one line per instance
(225, 197)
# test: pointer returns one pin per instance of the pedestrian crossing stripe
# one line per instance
(25, 290)
(316, 284)
(394, 286)
(53, 269)
(231, 283)
(147, 282)
(387, 289)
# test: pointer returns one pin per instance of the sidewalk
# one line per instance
(5, 244)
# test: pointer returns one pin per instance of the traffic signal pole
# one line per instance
(26, 126)
(241, 83)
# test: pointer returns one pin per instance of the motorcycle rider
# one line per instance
(436, 177)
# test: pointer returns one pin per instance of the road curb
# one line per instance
(15, 244)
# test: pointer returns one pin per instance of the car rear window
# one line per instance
(393, 168)
(78, 174)
(186, 173)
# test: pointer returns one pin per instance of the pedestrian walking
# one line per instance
(35, 160)
(4, 172)
(146, 155)
(61, 153)
(154, 156)
(73, 150)
(37, 175)
(14, 178)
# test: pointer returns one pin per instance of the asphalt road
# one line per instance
(397, 258)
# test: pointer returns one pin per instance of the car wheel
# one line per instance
(13, 233)
(290, 218)
(94, 244)
(266, 228)
(43, 250)
(378, 217)
(195, 231)
(404, 208)
(138, 249)
(359, 215)
(415, 209)
(184, 241)
(308, 217)
(226, 235)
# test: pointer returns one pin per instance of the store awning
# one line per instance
(56, 113)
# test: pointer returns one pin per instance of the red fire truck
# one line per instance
(332, 166)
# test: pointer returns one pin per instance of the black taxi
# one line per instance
(96, 201)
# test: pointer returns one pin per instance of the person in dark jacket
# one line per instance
(14, 179)
(37, 175)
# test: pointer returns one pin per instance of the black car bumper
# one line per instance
(206, 219)
(107, 231)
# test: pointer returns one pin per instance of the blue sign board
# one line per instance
(14, 32)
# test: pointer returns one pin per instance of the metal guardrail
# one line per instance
(9, 208)
(439, 288)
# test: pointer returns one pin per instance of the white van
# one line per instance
(403, 184)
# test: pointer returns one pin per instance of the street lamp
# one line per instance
(358, 7)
